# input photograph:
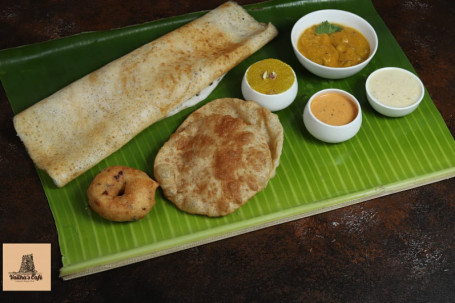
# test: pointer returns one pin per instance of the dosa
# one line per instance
(75, 128)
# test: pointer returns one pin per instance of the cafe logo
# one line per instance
(27, 272)
(27, 267)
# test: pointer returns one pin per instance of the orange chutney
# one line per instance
(334, 108)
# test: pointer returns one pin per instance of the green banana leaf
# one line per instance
(387, 155)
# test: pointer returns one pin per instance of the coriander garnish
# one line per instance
(328, 28)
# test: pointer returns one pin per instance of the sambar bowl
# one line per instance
(339, 17)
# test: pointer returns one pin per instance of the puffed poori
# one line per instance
(219, 157)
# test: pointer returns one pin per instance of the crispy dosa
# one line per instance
(72, 130)
(219, 157)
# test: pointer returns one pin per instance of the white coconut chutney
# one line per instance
(395, 87)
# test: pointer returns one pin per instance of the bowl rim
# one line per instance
(395, 108)
(344, 12)
(294, 83)
(340, 91)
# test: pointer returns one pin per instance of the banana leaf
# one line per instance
(386, 156)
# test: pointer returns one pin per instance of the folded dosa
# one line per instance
(72, 130)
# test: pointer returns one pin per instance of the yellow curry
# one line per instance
(343, 48)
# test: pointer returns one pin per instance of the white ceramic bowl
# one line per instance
(393, 111)
(340, 17)
(273, 102)
(331, 133)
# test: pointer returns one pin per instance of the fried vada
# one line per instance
(121, 193)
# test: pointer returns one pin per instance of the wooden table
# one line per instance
(398, 248)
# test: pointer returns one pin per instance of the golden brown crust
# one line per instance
(266, 122)
(216, 160)
(121, 193)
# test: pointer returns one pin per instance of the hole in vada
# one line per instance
(121, 190)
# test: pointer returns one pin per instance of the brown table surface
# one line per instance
(398, 248)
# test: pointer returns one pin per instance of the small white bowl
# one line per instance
(340, 17)
(389, 110)
(331, 133)
(273, 102)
